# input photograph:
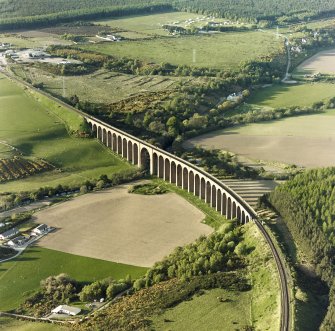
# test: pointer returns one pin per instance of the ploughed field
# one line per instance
(307, 141)
(322, 62)
(117, 226)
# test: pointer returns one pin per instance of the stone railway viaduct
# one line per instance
(174, 170)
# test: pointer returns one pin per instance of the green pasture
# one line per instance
(38, 127)
(149, 24)
(32, 39)
(21, 276)
(286, 95)
(222, 50)
(93, 87)
(206, 312)
(12, 324)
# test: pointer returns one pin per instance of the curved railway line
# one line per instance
(285, 298)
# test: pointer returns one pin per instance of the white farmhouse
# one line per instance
(42, 228)
(67, 310)
(18, 241)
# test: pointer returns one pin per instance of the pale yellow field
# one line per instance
(307, 141)
(322, 62)
(127, 228)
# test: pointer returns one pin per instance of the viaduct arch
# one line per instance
(173, 170)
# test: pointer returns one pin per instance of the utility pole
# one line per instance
(64, 93)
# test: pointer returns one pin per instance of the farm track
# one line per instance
(234, 186)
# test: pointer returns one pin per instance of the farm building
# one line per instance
(18, 241)
(37, 54)
(68, 310)
(234, 96)
(5, 45)
(9, 234)
(42, 228)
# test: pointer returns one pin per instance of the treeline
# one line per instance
(221, 251)
(61, 289)
(307, 205)
(220, 164)
(11, 200)
(134, 312)
(30, 13)
(88, 12)
(256, 10)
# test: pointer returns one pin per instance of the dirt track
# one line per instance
(121, 227)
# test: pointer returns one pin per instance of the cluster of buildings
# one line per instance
(14, 240)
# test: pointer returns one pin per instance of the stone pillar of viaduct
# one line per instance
(173, 170)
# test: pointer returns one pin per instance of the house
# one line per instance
(37, 55)
(18, 241)
(234, 96)
(42, 228)
(9, 234)
(5, 45)
(68, 310)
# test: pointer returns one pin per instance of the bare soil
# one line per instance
(323, 62)
(117, 226)
(306, 141)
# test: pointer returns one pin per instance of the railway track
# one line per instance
(285, 299)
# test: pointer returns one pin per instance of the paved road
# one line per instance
(22, 209)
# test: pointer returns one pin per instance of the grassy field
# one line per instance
(149, 25)
(93, 87)
(285, 95)
(302, 140)
(39, 128)
(258, 308)
(206, 312)
(32, 39)
(212, 218)
(18, 278)
(11, 324)
(223, 50)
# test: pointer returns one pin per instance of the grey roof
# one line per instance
(41, 227)
(10, 232)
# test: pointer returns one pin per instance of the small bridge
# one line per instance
(173, 170)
